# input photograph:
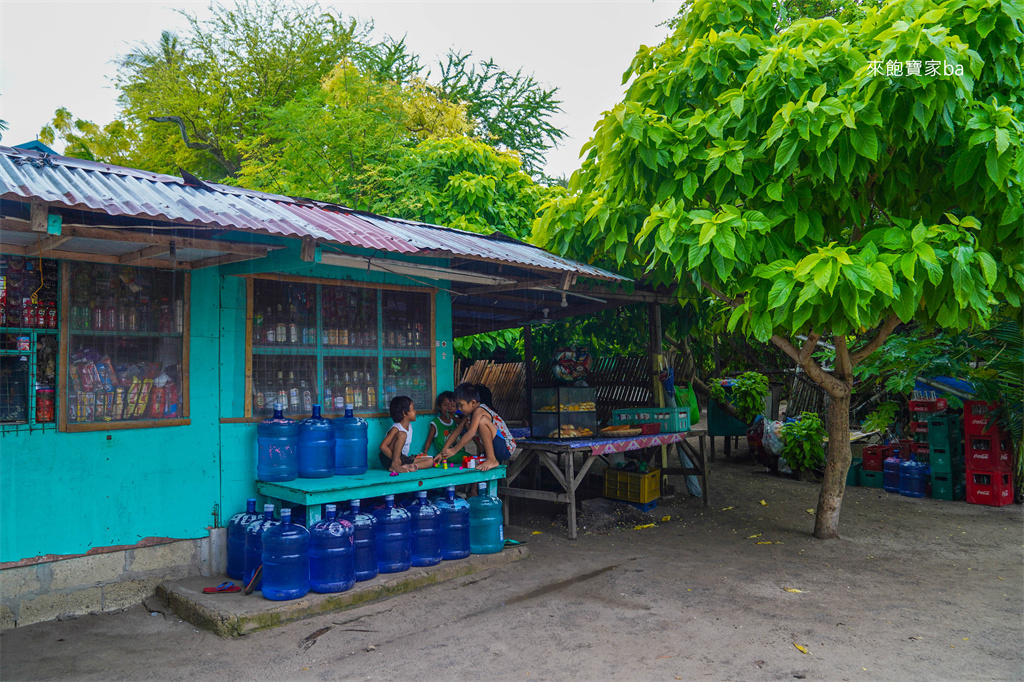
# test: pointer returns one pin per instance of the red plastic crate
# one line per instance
(976, 416)
(650, 429)
(919, 449)
(929, 406)
(986, 453)
(919, 427)
(874, 455)
(994, 489)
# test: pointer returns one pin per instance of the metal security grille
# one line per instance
(338, 345)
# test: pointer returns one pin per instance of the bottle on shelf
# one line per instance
(328, 397)
(307, 397)
(280, 328)
(282, 391)
(258, 332)
(293, 333)
(293, 394)
(371, 396)
(339, 395)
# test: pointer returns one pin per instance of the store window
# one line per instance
(29, 292)
(127, 347)
(337, 345)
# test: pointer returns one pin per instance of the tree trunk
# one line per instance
(830, 499)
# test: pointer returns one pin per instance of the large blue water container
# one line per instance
(350, 444)
(426, 531)
(316, 446)
(913, 478)
(332, 558)
(277, 447)
(891, 474)
(254, 543)
(394, 537)
(236, 539)
(364, 535)
(486, 527)
(285, 560)
(454, 525)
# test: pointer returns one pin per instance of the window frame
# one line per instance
(380, 353)
(63, 355)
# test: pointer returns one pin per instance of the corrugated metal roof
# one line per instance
(130, 192)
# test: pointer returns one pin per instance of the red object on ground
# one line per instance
(990, 453)
(993, 489)
(223, 587)
(873, 456)
(976, 414)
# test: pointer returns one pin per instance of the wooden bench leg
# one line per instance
(571, 492)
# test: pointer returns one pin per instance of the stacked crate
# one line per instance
(946, 456)
(988, 457)
(920, 446)
(870, 474)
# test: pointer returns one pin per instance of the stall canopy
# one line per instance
(83, 210)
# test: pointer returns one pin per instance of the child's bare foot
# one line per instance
(488, 464)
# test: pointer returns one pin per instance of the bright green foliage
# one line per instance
(802, 442)
(746, 395)
(112, 143)
(881, 418)
(511, 111)
(778, 171)
(462, 183)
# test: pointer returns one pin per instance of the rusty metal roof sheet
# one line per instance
(129, 192)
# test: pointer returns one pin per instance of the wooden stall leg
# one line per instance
(570, 489)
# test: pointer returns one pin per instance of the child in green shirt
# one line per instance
(441, 427)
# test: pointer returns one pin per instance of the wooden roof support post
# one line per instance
(528, 362)
(657, 363)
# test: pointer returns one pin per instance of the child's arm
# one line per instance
(471, 429)
(452, 437)
(431, 432)
(391, 448)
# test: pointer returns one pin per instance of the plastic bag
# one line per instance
(773, 439)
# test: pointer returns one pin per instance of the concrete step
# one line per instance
(232, 614)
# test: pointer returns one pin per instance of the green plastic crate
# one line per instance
(672, 419)
(853, 474)
(946, 461)
(870, 479)
(948, 487)
(944, 431)
(720, 423)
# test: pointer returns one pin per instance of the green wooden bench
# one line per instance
(313, 492)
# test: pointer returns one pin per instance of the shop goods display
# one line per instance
(564, 412)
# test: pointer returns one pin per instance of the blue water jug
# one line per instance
(913, 478)
(891, 474)
(254, 544)
(277, 447)
(316, 446)
(236, 539)
(364, 535)
(332, 559)
(394, 537)
(350, 444)
(285, 560)
(426, 531)
(486, 530)
(454, 525)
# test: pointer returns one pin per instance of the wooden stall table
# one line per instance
(542, 449)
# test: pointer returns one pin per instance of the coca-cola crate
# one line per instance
(928, 406)
(944, 431)
(919, 427)
(988, 453)
(946, 461)
(994, 489)
(874, 455)
(976, 416)
(918, 449)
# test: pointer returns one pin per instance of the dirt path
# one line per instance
(916, 589)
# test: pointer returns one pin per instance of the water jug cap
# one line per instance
(286, 515)
(389, 498)
(268, 508)
(451, 488)
(354, 503)
(422, 494)
(482, 485)
(332, 508)
(279, 407)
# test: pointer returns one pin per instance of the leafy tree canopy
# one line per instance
(788, 176)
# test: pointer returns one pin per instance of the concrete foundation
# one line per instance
(234, 613)
(107, 581)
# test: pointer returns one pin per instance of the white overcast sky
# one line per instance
(56, 54)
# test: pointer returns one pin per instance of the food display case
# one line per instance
(564, 412)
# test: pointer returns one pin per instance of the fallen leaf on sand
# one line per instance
(763, 503)
(751, 537)
(666, 519)
(967, 639)
(766, 542)
(728, 508)
(915, 638)
(809, 511)
(536, 532)
(793, 589)
(646, 525)
(802, 649)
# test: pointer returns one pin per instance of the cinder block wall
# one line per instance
(109, 581)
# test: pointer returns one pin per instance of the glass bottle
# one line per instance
(257, 327)
(293, 393)
(282, 392)
(281, 329)
(339, 395)
(307, 397)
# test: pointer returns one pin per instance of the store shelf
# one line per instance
(28, 330)
(131, 335)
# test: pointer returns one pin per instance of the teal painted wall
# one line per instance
(119, 487)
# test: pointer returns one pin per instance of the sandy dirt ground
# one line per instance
(916, 589)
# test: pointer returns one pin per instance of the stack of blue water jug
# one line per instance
(286, 561)
(312, 448)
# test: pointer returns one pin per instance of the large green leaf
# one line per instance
(865, 142)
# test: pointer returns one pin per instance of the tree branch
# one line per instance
(734, 302)
(787, 347)
(808, 348)
(844, 368)
(871, 346)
